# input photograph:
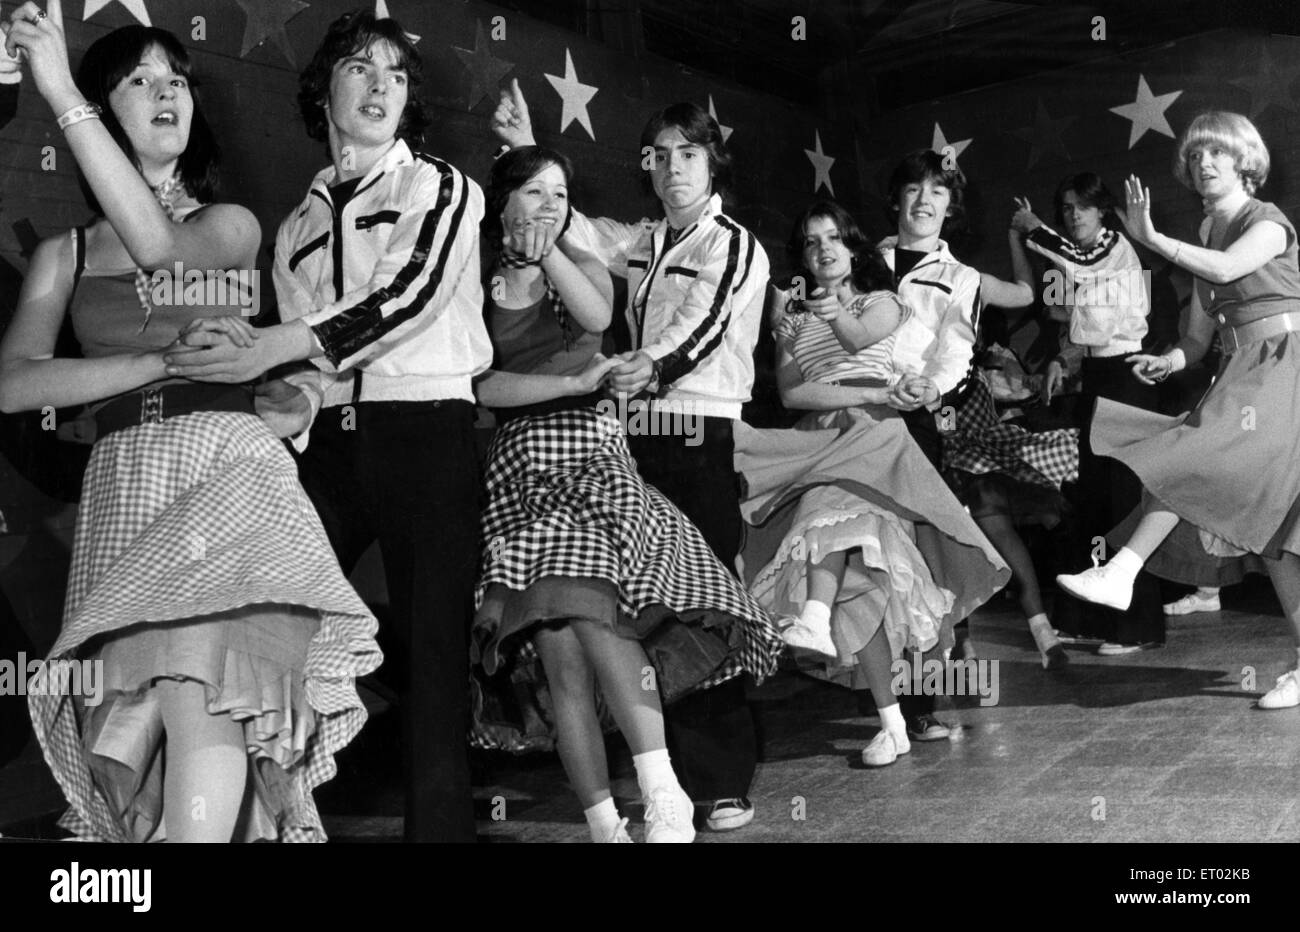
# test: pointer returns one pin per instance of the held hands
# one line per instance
(631, 374)
(284, 407)
(1136, 216)
(217, 349)
(1024, 220)
(531, 239)
(510, 121)
(590, 378)
(912, 392)
(39, 36)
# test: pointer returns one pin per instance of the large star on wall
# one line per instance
(726, 130)
(939, 142)
(134, 7)
(575, 95)
(266, 19)
(1147, 112)
(381, 12)
(821, 164)
(485, 69)
(1270, 85)
(1044, 137)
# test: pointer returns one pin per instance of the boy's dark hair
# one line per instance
(870, 273)
(114, 56)
(699, 128)
(351, 34)
(509, 173)
(926, 164)
(1092, 191)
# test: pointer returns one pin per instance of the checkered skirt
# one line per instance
(979, 444)
(198, 515)
(565, 500)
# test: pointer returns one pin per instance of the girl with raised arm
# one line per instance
(1222, 483)
(202, 583)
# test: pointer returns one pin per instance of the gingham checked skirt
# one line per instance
(978, 443)
(198, 516)
(567, 508)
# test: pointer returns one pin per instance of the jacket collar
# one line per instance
(712, 208)
(397, 156)
(939, 254)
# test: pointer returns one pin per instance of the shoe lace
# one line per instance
(620, 835)
(662, 805)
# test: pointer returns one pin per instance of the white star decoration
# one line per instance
(939, 142)
(575, 95)
(821, 164)
(726, 130)
(1147, 112)
(134, 7)
(381, 12)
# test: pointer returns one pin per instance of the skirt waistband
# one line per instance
(157, 404)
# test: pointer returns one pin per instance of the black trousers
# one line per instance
(407, 474)
(711, 735)
(1106, 492)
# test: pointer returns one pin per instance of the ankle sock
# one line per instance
(891, 719)
(1207, 592)
(653, 770)
(1127, 562)
(816, 616)
(602, 819)
(1042, 631)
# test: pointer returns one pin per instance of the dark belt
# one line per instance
(157, 404)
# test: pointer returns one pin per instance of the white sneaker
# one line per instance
(669, 817)
(1191, 604)
(1285, 695)
(619, 836)
(885, 748)
(1103, 585)
(798, 635)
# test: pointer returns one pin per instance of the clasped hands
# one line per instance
(229, 350)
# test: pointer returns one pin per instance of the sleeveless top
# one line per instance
(108, 318)
(529, 340)
(821, 357)
(1271, 289)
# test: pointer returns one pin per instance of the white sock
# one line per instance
(816, 616)
(602, 819)
(1127, 562)
(891, 719)
(1208, 592)
(1042, 631)
(654, 770)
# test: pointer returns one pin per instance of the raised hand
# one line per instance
(510, 121)
(824, 304)
(11, 66)
(39, 35)
(1024, 220)
(1136, 216)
